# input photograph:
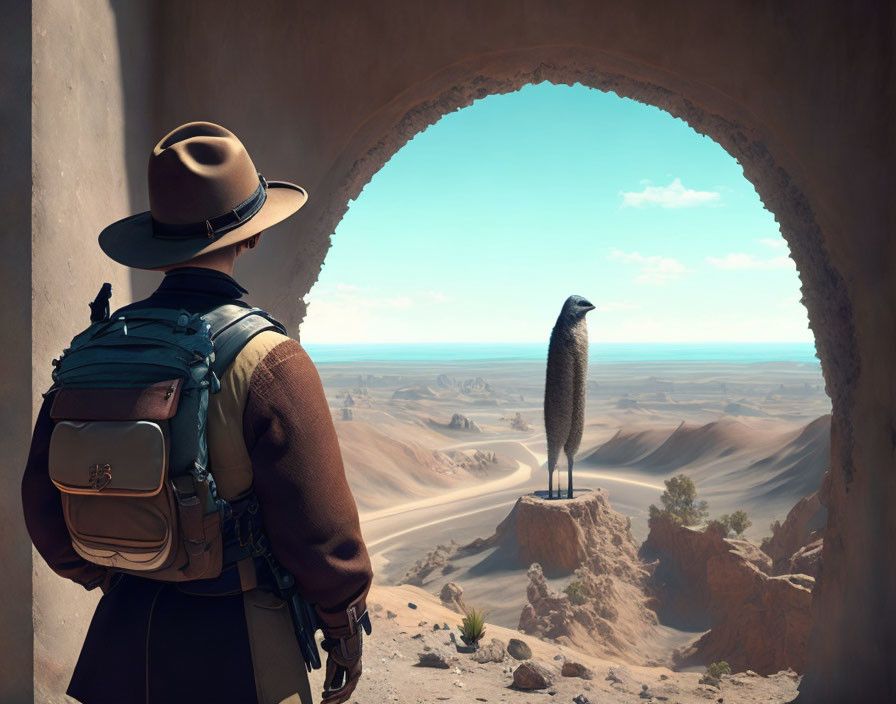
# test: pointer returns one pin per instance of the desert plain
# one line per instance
(438, 453)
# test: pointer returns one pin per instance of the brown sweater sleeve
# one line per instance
(42, 506)
(309, 513)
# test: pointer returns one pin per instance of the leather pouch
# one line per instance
(109, 458)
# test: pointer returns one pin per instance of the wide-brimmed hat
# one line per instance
(204, 194)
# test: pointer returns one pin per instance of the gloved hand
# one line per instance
(343, 633)
(342, 673)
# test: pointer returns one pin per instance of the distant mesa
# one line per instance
(415, 393)
(348, 401)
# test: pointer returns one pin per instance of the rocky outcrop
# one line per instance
(452, 596)
(461, 422)
(603, 610)
(435, 561)
(475, 385)
(789, 547)
(519, 423)
(757, 621)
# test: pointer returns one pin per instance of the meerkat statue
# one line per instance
(564, 389)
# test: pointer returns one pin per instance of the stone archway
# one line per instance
(823, 291)
(327, 92)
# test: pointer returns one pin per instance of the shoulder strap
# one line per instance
(233, 325)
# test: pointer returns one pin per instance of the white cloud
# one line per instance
(773, 243)
(656, 270)
(675, 195)
(740, 261)
(436, 296)
(347, 287)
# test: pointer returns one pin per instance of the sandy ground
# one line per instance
(391, 671)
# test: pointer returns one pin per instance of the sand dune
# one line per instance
(383, 470)
(661, 451)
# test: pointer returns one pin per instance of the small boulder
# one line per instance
(581, 699)
(493, 652)
(531, 675)
(434, 658)
(576, 669)
(519, 649)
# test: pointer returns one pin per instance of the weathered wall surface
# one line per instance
(15, 350)
(801, 93)
(80, 138)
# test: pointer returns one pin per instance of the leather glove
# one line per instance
(343, 642)
(342, 674)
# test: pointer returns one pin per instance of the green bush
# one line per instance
(736, 523)
(739, 522)
(577, 592)
(717, 669)
(473, 627)
(680, 502)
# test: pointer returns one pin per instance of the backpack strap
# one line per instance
(233, 325)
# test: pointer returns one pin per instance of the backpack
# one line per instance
(128, 448)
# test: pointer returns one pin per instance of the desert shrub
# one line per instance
(680, 502)
(717, 669)
(723, 522)
(577, 592)
(739, 522)
(473, 627)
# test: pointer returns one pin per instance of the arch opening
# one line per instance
(379, 151)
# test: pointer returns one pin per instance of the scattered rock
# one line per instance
(576, 669)
(581, 699)
(518, 423)
(391, 614)
(422, 623)
(347, 414)
(444, 381)
(531, 675)
(412, 605)
(493, 652)
(461, 422)
(434, 658)
(518, 649)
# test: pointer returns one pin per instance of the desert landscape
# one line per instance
(445, 459)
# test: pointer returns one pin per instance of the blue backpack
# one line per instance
(128, 449)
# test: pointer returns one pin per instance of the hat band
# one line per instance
(215, 227)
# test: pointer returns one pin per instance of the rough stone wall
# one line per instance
(80, 135)
(801, 93)
(15, 350)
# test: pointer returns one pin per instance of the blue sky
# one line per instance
(480, 227)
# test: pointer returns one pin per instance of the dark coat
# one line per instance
(152, 641)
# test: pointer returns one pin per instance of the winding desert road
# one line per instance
(398, 536)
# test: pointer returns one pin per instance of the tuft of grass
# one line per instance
(473, 627)
(577, 592)
(714, 673)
